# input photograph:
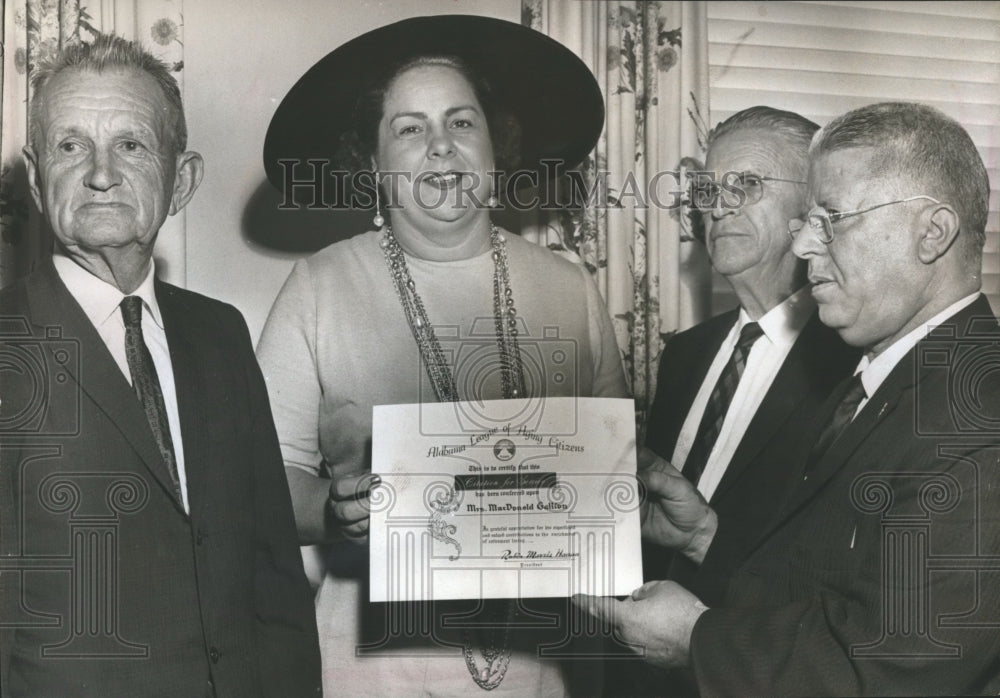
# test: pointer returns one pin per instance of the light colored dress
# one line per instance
(336, 343)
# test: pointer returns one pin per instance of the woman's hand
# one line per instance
(348, 504)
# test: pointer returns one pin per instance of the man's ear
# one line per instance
(190, 169)
(939, 228)
(34, 175)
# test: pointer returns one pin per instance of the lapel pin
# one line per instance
(885, 406)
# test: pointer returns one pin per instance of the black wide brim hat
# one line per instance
(551, 92)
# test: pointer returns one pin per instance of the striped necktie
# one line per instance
(718, 403)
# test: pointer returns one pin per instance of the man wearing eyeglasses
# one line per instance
(879, 574)
(733, 391)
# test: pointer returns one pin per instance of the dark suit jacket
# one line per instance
(879, 574)
(108, 588)
(758, 474)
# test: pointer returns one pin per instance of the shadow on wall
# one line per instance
(297, 230)
(303, 230)
(26, 239)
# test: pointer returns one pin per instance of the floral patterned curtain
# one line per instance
(651, 60)
(32, 31)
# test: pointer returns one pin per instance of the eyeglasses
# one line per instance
(820, 221)
(704, 194)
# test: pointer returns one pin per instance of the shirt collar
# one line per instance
(875, 371)
(98, 298)
(783, 323)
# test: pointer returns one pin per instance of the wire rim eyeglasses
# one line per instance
(820, 221)
(733, 191)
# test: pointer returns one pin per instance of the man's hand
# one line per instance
(674, 514)
(657, 620)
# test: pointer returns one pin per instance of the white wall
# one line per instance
(240, 58)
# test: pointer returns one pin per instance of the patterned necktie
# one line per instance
(147, 385)
(842, 416)
(718, 403)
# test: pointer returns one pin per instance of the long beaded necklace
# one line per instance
(496, 656)
(504, 320)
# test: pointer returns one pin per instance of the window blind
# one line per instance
(821, 59)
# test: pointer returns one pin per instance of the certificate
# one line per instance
(504, 499)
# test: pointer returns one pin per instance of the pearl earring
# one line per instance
(378, 220)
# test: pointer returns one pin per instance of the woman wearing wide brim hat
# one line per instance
(434, 108)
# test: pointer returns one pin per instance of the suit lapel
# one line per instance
(786, 392)
(100, 379)
(882, 404)
(187, 360)
(903, 378)
(695, 358)
(879, 407)
(796, 382)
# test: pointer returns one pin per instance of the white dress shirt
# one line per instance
(875, 371)
(781, 325)
(100, 302)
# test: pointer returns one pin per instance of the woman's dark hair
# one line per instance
(358, 144)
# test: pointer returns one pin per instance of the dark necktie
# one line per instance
(853, 394)
(718, 403)
(147, 385)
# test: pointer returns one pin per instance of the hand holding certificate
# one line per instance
(504, 499)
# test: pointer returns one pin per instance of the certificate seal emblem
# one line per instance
(504, 449)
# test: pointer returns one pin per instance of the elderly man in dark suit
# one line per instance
(734, 391)
(878, 575)
(148, 540)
